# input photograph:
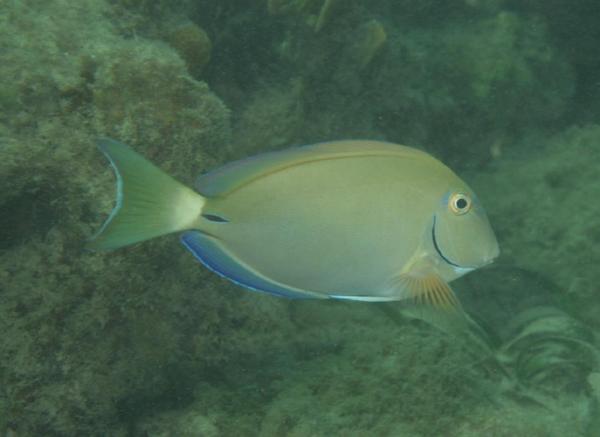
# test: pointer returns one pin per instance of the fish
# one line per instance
(353, 219)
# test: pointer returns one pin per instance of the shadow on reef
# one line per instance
(545, 348)
(32, 209)
(524, 340)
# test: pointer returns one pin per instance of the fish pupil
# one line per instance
(461, 203)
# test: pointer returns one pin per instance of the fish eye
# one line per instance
(459, 203)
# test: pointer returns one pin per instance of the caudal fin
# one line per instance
(149, 201)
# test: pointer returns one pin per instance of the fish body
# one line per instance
(362, 220)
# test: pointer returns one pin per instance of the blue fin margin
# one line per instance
(213, 255)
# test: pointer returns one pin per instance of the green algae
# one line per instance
(144, 341)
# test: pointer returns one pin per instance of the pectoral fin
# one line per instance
(431, 300)
(429, 290)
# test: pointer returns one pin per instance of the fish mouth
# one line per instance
(439, 251)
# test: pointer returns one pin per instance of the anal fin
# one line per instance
(216, 257)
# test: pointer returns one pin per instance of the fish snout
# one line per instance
(492, 253)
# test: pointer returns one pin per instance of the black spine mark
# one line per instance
(215, 218)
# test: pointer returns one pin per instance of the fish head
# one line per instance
(461, 232)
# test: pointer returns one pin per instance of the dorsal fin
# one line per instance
(238, 173)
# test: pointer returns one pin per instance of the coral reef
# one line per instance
(273, 117)
(402, 71)
(316, 13)
(550, 226)
(460, 90)
(85, 335)
(372, 40)
(193, 44)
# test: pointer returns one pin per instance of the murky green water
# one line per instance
(145, 341)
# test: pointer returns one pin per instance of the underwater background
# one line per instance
(144, 341)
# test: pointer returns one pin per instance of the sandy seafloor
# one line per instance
(145, 342)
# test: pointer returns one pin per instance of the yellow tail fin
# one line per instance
(149, 202)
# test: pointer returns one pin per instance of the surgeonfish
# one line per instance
(359, 220)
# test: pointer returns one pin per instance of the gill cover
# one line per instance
(461, 232)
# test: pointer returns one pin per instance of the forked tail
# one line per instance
(149, 202)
